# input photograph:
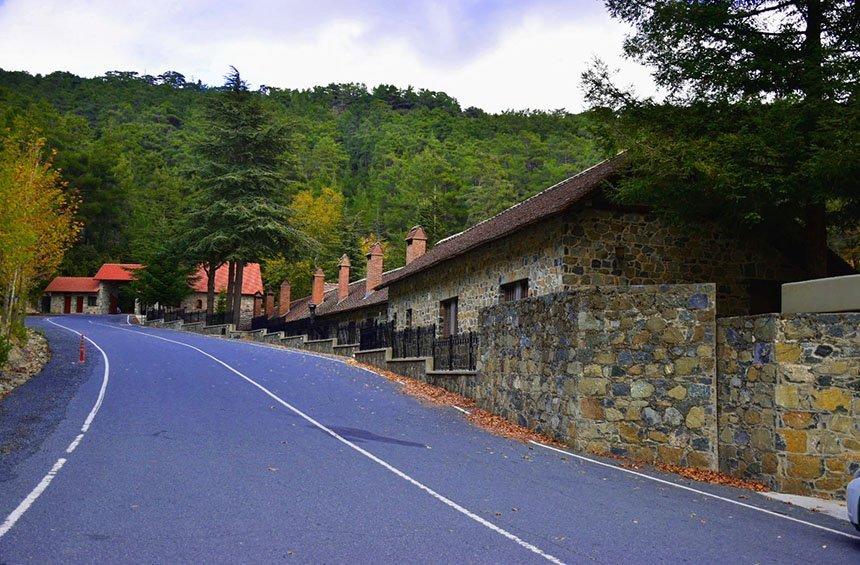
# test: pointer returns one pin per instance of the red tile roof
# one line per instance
(549, 202)
(122, 272)
(73, 284)
(252, 279)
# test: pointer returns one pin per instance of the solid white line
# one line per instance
(595, 461)
(463, 410)
(16, 514)
(700, 492)
(372, 457)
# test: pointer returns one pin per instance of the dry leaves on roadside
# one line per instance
(500, 426)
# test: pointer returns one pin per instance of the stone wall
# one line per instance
(612, 246)
(628, 370)
(58, 302)
(534, 253)
(596, 245)
(789, 400)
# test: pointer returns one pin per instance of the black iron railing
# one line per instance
(375, 335)
(458, 351)
(347, 333)
(413, 342)
(188, 317)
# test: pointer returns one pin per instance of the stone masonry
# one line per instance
(475, 278)
(789, 400)
(593, 245)
(628, 370)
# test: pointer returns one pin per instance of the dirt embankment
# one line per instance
(25, 360)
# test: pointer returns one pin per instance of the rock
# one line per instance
(832, 398)
(804, 466)
(641, 389)
(651, 417)
(678, 392)
(593, 386)
(672, 416)
(788, 352)
(695, 418)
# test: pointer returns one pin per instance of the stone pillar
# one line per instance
(374, 267)
(318, 287)
(284, 298)
(343, 278)
(270, 304)
(416, 244)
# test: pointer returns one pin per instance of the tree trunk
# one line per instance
(209, 269)
(237, 290)
(231, 275)
(814, 92)
(816, 240)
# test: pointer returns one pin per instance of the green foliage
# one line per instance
(129, 145)
(760, 128)
(165, 280)
(5, 348)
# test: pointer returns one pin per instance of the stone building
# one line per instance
(345, 302)
(570, 236)
(252, 284)
(99, 294)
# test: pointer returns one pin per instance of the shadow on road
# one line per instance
(356, 435)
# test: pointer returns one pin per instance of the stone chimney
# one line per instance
(258, 305)
(416, 244)
(374, 267)
(284, 298)
(318, 287)
(270, 304)
(343, 278)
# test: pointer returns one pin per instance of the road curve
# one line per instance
(205, 449)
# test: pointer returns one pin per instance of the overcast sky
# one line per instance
(496, 55)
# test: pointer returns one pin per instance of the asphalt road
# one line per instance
(195, 449)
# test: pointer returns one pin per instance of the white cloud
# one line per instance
(518, 59)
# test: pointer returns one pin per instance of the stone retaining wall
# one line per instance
(625, 369)
(375, 357)
(789, 400)
(320, 346)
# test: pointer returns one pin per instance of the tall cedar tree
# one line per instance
(760, 127)
(242, 215)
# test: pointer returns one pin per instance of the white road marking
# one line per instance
(16, 514)
(463, 410)
(372, 457)
(595, 461)
(691, 489)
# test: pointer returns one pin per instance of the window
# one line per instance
(91, 300)
(409, 317)
(448, 312)
(516, 290)
(199, 304)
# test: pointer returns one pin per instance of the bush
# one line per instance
(5, 348)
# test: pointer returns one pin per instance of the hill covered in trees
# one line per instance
(360, 163)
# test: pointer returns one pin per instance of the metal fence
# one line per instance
(188, 317)
(413, 342)
(347, 333)
(458, 351)
(375, 335)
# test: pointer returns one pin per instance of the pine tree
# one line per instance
(243, 214)
(760, 127)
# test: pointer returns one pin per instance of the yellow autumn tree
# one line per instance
(37, 223)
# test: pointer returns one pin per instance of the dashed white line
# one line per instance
(25, 504)
(697, 491)
(522, 543)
